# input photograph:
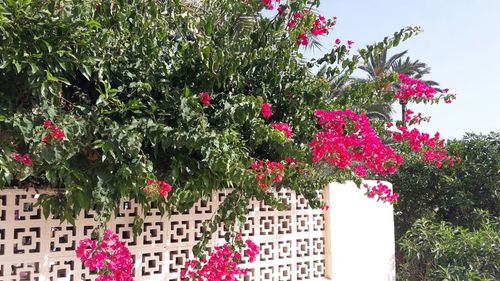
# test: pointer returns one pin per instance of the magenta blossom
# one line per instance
(205, 98)
(283, 127)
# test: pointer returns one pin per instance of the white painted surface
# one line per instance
(361, 235)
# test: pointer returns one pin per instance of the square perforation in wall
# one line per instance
(62, 238)
(61, 270)
(153, 233)
(27, 240)
(152, 263)
(3, 206)
(126, 233)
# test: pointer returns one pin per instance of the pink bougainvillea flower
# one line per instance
(15, 156)
(303, 39)
(164, 188)
(27, 160)
(54, 131)
(268, 4)
(414, 89)
(320, 26)
(272, 172)
(382, 191)
(205, 98)
(283, 127)
(47, 124)
(109, 257)
(266, 111)
(338, 41)
(360, 171)
(155, 187)
(223, 263)
(359, 148)
(281, 11)
(350, 43)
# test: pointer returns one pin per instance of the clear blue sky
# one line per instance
(460, 42)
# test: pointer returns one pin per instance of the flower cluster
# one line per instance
(25, 159)
(252, 250)
(205, 98)
(222, 264)
(109, 257)
(283, 127)
(268, 172)
(415, 119)
(320, 25)
(414, 89)
(156, 187)
(348, 140)
(382, 191)
(432, 147)
(266, 111)
(54, 131)
(269, 4)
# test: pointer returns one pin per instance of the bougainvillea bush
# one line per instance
(164, 102)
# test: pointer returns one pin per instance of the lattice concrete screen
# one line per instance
(32, 248)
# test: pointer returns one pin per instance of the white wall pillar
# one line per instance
(359, 235)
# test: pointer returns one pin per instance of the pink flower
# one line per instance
(15, 156)
(54, 131)
(221, 264)
(350, 43)
(268, 4)
(281, 11)
(155, 187)
(47, 124)
(338, 41)
(108, 256)
(320, 26)
(382, 192)
(359, 147)
(283, 127)
(303, 39)
(360, 171)
(205, 98)
(27, 160)
(291, 24)
(414, 89)
(266, 111)
(164, 188)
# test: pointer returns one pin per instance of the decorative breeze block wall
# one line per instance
(31, 248)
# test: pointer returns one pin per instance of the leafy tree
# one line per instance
(447, 219)
(443, 251)
(450, 193)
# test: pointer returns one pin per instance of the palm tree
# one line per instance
(380, 65)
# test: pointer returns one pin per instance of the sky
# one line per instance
(460, 42)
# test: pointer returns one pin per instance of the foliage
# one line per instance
(442, 251)
(447, 219)
(450, 193)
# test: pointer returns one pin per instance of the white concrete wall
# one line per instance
(360, 246)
